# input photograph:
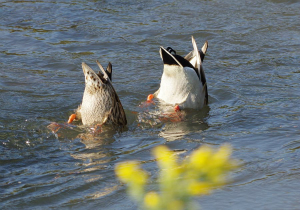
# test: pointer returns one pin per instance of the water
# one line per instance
(252, 69)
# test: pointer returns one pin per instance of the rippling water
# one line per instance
(252, 69)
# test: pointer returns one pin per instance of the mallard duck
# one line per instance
(100, 102)
(183, 82)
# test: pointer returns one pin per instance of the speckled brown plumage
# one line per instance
(100, 102)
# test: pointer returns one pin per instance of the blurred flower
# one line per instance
(136, 178)
(165, 158)
(131, 172)
(198, 188)
(197, 175)
(152, 200)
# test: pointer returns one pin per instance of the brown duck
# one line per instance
(100, 102)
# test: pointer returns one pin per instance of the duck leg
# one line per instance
(71, 118)
(177, 108)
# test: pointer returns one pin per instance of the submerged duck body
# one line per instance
(100, 102)
(183, 80)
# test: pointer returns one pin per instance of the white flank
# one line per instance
(181, 86)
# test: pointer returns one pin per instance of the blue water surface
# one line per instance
(252, 71)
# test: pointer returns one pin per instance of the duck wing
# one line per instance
(116, 115)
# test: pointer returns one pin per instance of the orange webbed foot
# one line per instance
(150, 97)
(148, 102)
(177, 108)
(71, 118)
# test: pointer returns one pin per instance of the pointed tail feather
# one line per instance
(204, 48)
(103, 71)
(196, 52)
(109, 70)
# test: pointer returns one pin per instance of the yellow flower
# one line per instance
(165, 157)
(200, 158)
(198, 188)
(130, 172)
(198, 175)
(151, 200)
(209, 165)
(175, 205)
(221, 157)
(170, 170)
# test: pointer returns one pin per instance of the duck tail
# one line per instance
(197, 54)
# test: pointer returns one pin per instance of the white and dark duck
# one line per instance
(100, 103)
(183, 83)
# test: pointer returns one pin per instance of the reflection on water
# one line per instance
(193, 122)
(252, 71)
(175, 131)
(172, 124)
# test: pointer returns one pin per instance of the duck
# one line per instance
(183, 82)
(100, 103)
